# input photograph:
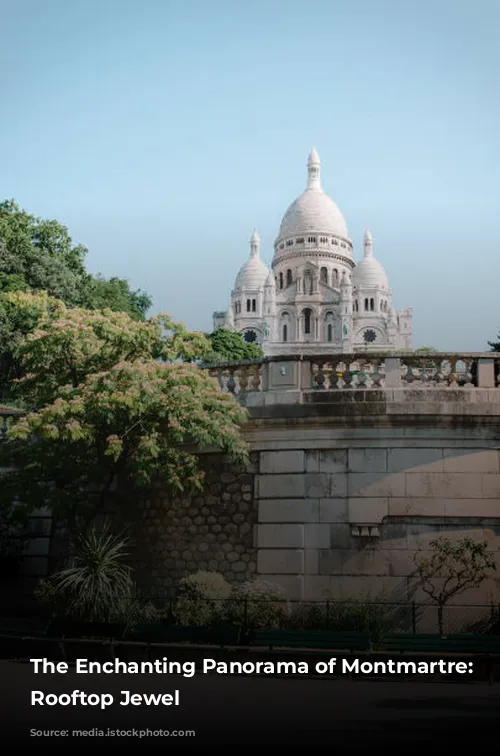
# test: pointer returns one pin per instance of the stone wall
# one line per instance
(212, 531)
(341, 494)
(343, 516)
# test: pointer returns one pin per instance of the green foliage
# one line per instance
(115, 403)
(364, 616)
(309, 616)
(39, 256)
(229, 346)
(201, 599)
(115, 294)
(13, 523)
(259, 603)
(451, 568)
(495, 345)
(98, 582)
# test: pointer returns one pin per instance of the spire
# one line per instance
(368, 244)
(255, 244)
(313, 170)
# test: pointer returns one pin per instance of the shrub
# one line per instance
(136, 611)
(309, 616)
(259, 604)
(358, 616)
(96, 585)
(201, 599)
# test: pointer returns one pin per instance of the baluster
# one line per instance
(452, 377)
(334, 379)
(243, 379)
(409, 376)
(468, 381)
(362, 377)
(255, 382)
(347, 375)
(422, 367)
(231, 383)
(319, 378)
(438, 376)
(376, 375)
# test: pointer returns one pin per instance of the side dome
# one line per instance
(369, 273)
(253, 274)
(314, 211)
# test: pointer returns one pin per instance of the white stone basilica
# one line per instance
(315, 297)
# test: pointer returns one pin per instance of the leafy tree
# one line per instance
(115, 294)
(495, 345)
(114, 402)
(452, 568)
(230, 346)
(39, 255)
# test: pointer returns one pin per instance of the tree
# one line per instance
(113, 402)
(230, 346)
(38, 255)
(495, 345)
(452, 568)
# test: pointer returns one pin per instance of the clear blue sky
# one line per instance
(162, 132)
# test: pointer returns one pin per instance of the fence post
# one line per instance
(414, 617)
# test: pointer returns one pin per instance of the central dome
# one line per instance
(314, 211)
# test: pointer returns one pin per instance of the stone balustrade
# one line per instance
(359, 371)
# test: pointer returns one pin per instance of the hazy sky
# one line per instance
(161, 133)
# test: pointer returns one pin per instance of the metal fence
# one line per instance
(377, 618)
(386, 617)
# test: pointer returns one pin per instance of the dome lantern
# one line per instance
(313, 170)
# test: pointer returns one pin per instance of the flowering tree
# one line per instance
(451, 568)
(112, 402)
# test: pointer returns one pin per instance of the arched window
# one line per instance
(323, 275)
(285, 332)
(254, 305)
(307, 320)
(366, 304)
(372, 304)
(329, 332)
(335, 277)
(289, 279)
(248, 305)
(281, 280)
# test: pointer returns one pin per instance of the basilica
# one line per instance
(315, 297)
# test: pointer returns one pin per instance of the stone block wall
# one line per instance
(345, 520)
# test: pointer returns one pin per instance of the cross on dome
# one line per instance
(368, 244)
(255, 243)
(313, 170)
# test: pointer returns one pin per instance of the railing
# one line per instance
(251, 613)
(362, 371)
(239, 377)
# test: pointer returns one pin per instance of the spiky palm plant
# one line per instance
(99, 582)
